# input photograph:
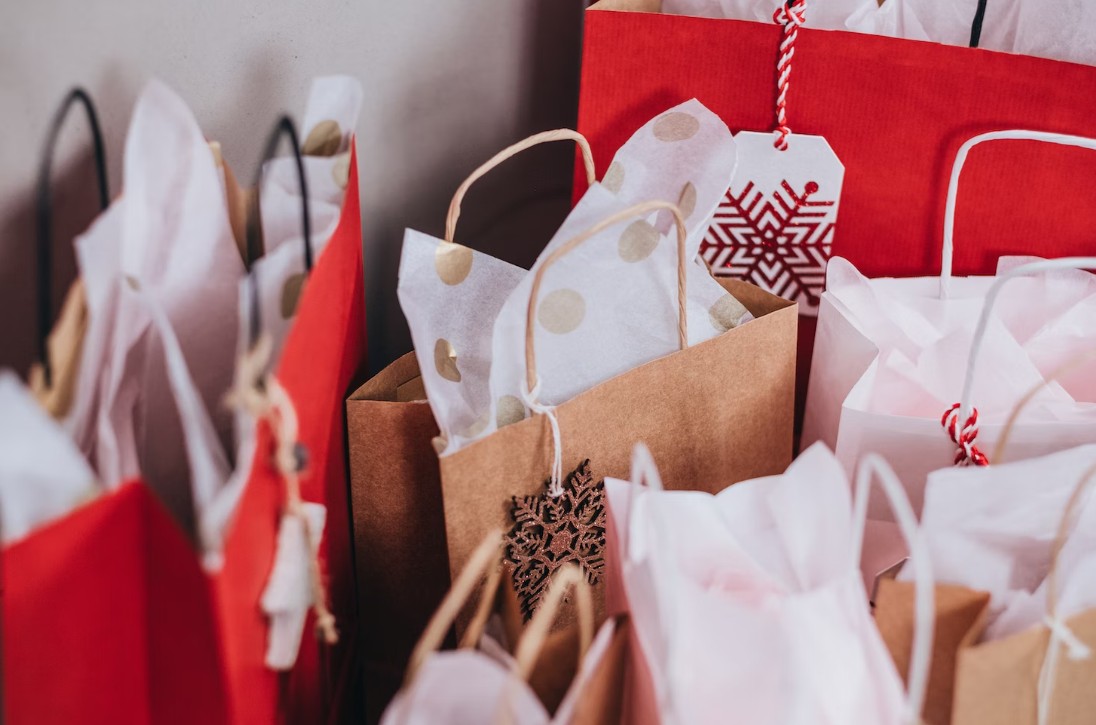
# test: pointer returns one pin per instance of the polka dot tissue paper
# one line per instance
(604, 308)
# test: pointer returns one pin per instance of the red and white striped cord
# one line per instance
(967, 453)
(791, 16)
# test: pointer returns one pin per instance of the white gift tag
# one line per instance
(288, 594)
(774, 226)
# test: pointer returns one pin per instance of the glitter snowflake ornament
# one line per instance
(550, 531)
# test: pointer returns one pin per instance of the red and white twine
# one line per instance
(791, 16)
(964, 436)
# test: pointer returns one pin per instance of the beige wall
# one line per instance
(447, 83)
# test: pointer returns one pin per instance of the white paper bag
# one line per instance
(892, 356)
(993, 529)
(749, 606)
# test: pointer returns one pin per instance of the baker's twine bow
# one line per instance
(555, 487)
(791, 16)
(967, 452)
(260, 394)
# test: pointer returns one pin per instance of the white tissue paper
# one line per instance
(164, 276)
(736, 595)
(1057, 29)
(334, 102)
(475, 686)
(43, 476)
(993, 529)
(891, 357)
(824, 14)
(168, 238)
(611, 304)
(618, 308)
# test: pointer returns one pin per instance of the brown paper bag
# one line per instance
(959, 621)
(399, 532)
(999, 681)
(718, 412)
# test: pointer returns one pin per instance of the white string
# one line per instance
(1076, 650)
(555, 487)
(873, 468)
(953, 184)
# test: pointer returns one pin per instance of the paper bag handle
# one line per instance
(283, 127)
(536, 633)
(947, 252)
(487, 553)
(562, 134)
(1059, 631)
(631, 212)
(44, 211)
(532, 640)
(1043, 265)
(1069, 513)
(873, 468)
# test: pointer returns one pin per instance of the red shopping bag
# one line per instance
(106, 619)
(108, 615)
(324, 351)
(894, 111)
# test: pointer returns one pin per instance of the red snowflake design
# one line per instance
(780, 243)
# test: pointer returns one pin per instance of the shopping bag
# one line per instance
(324, 350)
(399, 528)
(892, 357)
(734, 596)
(204, 649)
(75, 561)
(1013, 550)
(848, 88)
(505, 478)
(491, 676)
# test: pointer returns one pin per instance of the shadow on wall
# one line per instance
(512, 212)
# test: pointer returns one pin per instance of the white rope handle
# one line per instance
(953, 184)
(873, 468)
(1043, 265)
(644, 474)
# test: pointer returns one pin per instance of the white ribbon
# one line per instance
(555, 488)
(1075, 650)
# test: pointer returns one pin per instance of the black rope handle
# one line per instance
(44, 211)
(284, 127)
(976, 25)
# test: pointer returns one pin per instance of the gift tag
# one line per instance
(774, 226)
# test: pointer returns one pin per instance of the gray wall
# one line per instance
(447, 83)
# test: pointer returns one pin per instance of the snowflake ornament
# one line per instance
(549, 532)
